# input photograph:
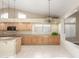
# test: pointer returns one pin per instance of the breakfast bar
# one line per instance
(9, 46)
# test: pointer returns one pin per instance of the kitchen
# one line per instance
(30, 31)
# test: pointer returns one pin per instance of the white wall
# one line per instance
(13, 13)
(69, 46)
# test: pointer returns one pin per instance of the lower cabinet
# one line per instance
(26, 40)
(18, 44)
(44, 40)
(34, 40)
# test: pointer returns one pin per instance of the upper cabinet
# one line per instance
(19, 26)
(24, 27)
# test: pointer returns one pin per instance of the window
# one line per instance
(46, 28)
(42, 28)
(4, 15)
(70, 27)
(70, 30)
(21, 15)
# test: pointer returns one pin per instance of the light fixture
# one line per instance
(14, 9)
(8, 6)
(2, 6)
(10, 10)
(49, 14)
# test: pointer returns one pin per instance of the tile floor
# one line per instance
(43, 51)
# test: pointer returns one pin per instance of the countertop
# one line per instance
(18, 33)
(8, 38)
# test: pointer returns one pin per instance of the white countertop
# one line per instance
(18, 33)
(8, 38)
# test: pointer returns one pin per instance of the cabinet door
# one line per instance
(2, 26)
(26, 40)
(45, 39)
(29, 27)
(50, 40)
(57, 40)
(40, 40)
(54, 40)
(21, 27)
(18, 45)
(34, 40)
(24, 27)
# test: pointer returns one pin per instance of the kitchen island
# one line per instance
(9, 46)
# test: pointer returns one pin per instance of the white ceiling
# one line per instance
(58, 7)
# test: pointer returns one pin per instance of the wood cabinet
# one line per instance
(34, 39)
(19, 26)
(39, 40)
(29, 27)
(26, 39)
(18, 45)
(2, 27)
(54, 40)
(24, 27)
(45, 39)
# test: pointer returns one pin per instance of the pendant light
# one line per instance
(49, 10)
(2, 10)
(2, 6)
(8, 7)
(14, 9)
(10, 10)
